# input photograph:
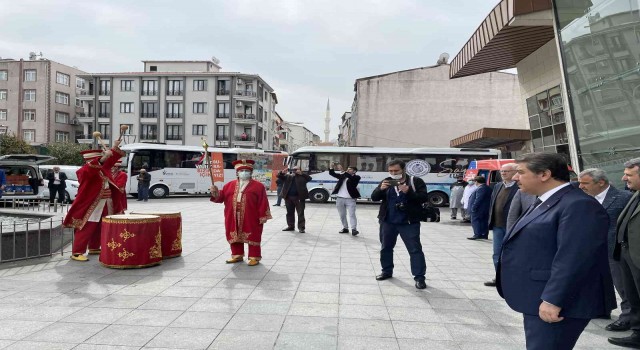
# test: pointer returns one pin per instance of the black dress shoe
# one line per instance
(354, 232)
(344, 230)
(474, 238)
(491, 283)
(382, 277)
(618, 326)
(301, 231)
(421, 284)
(632, 341)
(288, 229)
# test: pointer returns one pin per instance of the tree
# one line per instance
(67, 153)
(10, 144)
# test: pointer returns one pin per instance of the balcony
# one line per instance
(245, 93)
(222, 138)
(223, 115)
(148, 115)
(223, 92)
(174, 137)
(104, 115)
(104, 92)
(245, 118)
(174, 115)
(148, 137)
(245, 138)
(85, 93)
(175, 93)
(84, 116)
(149, 93)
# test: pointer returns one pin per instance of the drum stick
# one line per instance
(123, 129)
(98, 136)
(208, 158)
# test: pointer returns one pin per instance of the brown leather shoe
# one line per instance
(252, 262)
(233, 260)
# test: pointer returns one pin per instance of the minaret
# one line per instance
(327, 122)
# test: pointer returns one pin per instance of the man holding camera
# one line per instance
(294, 192)
(402, 197)
(346, 192)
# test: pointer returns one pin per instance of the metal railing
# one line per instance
(222, 138)
(245, 138)
(245, 116)
(149, 92)
(245, 93)
(174, 115)
(222, 115)
(223, 92)
(148, 115)
(104, 115)
(174, 92)
(104, 92)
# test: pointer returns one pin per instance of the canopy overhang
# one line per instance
(491, 138)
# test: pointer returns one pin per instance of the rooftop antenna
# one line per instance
(33, 55)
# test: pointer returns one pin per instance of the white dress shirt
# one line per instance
(600, 197)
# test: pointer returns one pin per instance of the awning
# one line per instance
(490, 138)
(511, 32)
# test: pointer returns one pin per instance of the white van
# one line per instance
(72, 180)
(23, 177)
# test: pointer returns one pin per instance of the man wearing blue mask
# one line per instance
(246, 210)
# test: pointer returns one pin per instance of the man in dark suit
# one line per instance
(627, 252)
(595, 183)
(479, 209)
(501, 197)
(346, 192)
(57, 184)
(294, 192)
(553, 267)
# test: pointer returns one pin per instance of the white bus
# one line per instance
(178, 169)
(438, 167)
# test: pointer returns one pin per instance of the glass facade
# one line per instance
(547, 124)
(600, 48)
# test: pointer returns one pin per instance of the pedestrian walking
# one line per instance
(144, 180)
(479, 207)
(57, 182)
(294, 192)
(279, 184)
(466, 199)
(346, 192)
(455, 199)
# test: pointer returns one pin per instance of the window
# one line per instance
(30, 75)
(199, 85)
(62, 136)
(62, 78)
(148, 132)
(126, 107)
(153, 68)
(126, 85)
(105, 110)
(29, 115)
(29, 135)
(79, 103)
(174, 87)
(29, 95)
(62, 117)
(223, 110)
(199, 130)
(4, 75)
(80, 83)
(222, 133)
(174, 110)
(3, 94)
(3, 114)
(149, 110)
(223, 87)
(199, 107)
(104, 130)
(105, 87)
(149, 88)
(174, 132)
(62, 98)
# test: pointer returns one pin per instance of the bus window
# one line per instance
(324, 161)
(228, 159)
(191, 159)
(371, 162)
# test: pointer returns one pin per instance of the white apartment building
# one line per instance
(38, 100)
(180, 102)
(299, 136)
(345, 130)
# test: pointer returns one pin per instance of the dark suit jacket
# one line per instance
(352, 184)
(496, 189)
(614, 202)
(558, 253)
(300, 182)
(519, 204)
(51, 178)
(633, 233)
(480, 205)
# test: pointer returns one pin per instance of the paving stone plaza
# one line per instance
(315, 290)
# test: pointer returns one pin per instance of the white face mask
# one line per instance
(244, 175)
(396, 176)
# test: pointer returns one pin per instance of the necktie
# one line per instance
(534, 206)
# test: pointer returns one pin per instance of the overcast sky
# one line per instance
(307, 51)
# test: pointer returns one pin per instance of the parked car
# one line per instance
(24, 179)
(72, 180)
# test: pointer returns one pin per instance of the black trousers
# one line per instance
(56, 190)
(631, 283)
(295, 204)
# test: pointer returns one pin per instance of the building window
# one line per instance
(62, 136)
(30, 75)
(62, 98)
(3, 114)
(104, 110)
(174, 88)
(174, 132)
(3, 94)
(80, 83)
(199, 85)
(222, 133)
(29, 135)
(62, 78)
(126, 85)
(78, 102)
(29, 115)
(129, 130)
(153, 68)
(149, 110)
(62, 117)
(104, 130)
(149, 88)
(126, 107)
(4, 75)
(199, 130)
(29, 95)
(105, 87)
(223, 87)
(148, 132)
(174, 110)
(199, 107)
(223, 110)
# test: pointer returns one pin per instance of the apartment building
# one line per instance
(299, 136)
(346, 129)
(38, 99)
(180, 102)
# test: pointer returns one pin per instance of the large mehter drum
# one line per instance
(171, 228)
(131, 241)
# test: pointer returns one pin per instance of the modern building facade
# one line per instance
(181, 102)
(423, 107)
(38, 100)
(578, 66)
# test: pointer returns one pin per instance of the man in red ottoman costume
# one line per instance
(246, 209)
(93, 200)
(120, 179)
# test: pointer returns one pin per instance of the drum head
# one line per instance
(160, 213)
(131, 217)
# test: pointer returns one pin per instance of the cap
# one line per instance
(91, 153)
(243, 164)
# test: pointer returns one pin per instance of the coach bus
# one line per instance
(438, 167)
(179, 169)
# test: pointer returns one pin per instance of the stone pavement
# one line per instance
(311, 291)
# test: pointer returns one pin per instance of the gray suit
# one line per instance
(519, 204)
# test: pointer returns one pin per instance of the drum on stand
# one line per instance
(131, 241)
(171, 229)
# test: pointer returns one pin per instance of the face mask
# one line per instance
(396, 176)
(244, 175)
(471, 182)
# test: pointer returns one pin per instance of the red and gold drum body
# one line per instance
(131, 241)
(171, 228)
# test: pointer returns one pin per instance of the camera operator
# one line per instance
(402, 197)
(294, 192)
